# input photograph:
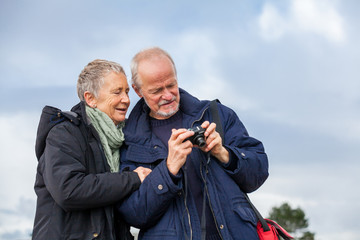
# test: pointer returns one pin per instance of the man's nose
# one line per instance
(167, 95)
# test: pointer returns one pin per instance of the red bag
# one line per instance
(273, 231)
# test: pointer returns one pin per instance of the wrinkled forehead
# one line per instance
(156, 69)
(155, 61)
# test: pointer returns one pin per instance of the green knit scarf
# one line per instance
(111, 136)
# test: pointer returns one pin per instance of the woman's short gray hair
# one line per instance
(146, 54)
(92, 76)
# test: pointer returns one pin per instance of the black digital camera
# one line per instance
(198, 138)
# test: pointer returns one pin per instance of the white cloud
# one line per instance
(17, 158)
(271, 23)
(18, 222)
(303, 17)
(320, 17)
(17, 172)
(195, 55)
(316, 82)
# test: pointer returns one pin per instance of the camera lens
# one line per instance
(200, 141)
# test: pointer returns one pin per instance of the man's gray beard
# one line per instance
(164, 114)
(169, 114)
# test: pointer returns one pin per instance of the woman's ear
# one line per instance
(137, 90)
(90, 99)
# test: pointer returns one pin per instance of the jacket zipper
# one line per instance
(188, 213)
(208, 196)
(205, 184)
(187, 210)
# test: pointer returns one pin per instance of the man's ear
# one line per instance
(137, 90)
(90, 99)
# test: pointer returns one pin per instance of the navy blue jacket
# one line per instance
(161, 209)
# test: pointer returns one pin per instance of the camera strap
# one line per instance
(203, 214)
(216, 118)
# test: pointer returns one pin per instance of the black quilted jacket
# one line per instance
(74, 186)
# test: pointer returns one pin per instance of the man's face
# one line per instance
(159, 87)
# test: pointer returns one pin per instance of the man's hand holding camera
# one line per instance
(214, 143)
(183, 140)
(179, 149)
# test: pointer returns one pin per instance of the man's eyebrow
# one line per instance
(155, 89)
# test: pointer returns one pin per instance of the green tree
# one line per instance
(293, 220)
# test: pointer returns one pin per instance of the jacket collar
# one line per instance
(191, 105)
(81, 111)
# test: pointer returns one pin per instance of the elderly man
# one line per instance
(192, 192)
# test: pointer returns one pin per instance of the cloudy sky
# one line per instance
(290, 69)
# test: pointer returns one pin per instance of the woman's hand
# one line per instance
(142, 172)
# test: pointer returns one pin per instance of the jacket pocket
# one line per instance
(164, 228)
(242, 208)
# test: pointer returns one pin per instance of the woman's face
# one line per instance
(113, 98)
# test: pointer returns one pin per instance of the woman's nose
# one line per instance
(125, 99)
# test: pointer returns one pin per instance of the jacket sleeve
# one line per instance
(64, 172)
(247, 153)
(145, 206)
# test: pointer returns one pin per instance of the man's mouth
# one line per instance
(166, 102)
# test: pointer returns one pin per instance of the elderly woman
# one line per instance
(77, 179)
